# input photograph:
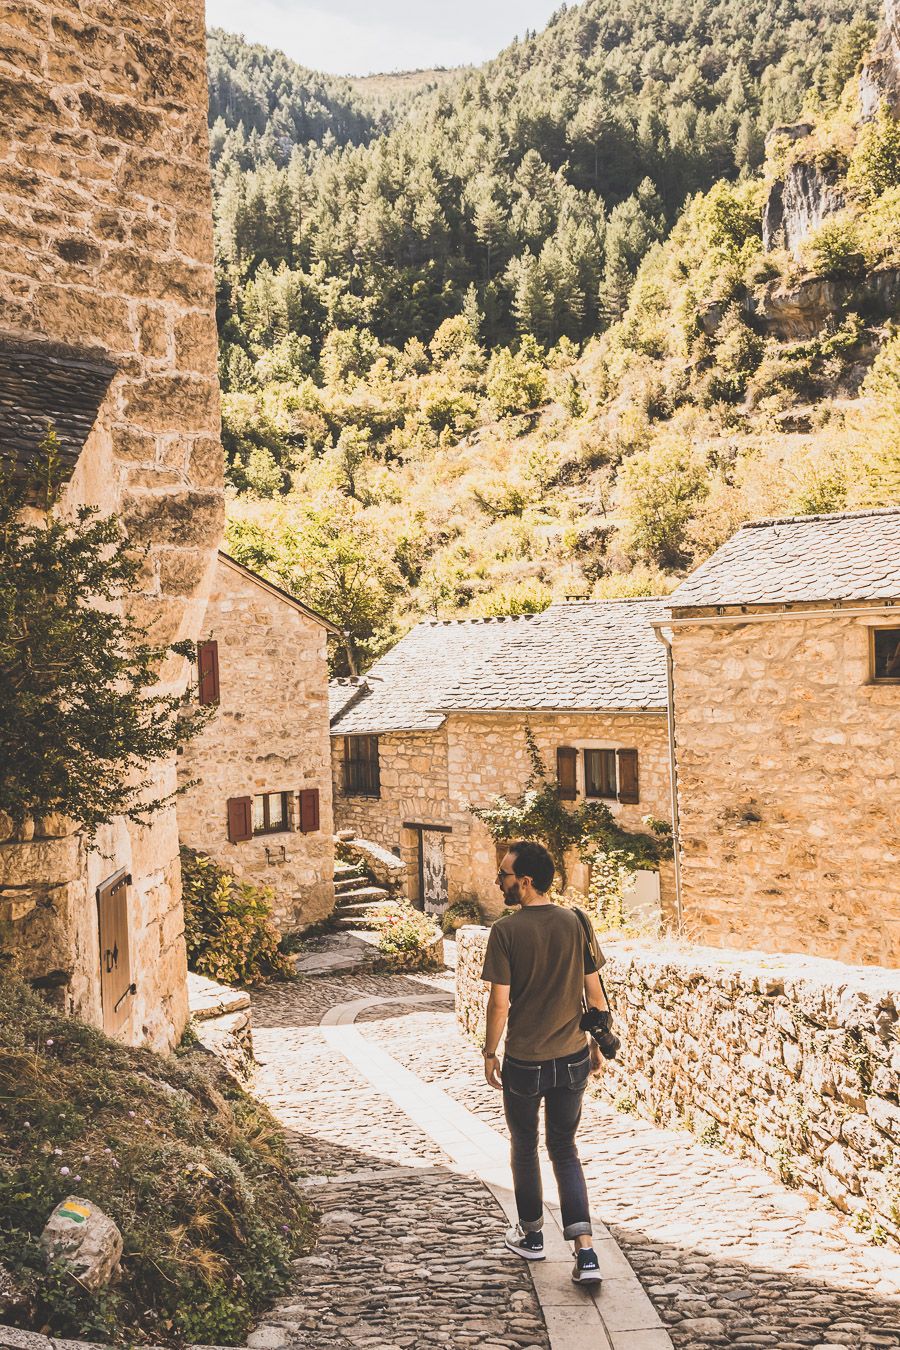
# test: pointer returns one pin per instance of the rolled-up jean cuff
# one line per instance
(534, 1226)
(574, 1230)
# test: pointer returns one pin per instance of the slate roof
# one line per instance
(406, 685)
(343, 692)
(43, 384)
(582, 655)
(590, 655)
(798, 559)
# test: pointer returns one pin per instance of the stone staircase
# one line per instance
(358, 898)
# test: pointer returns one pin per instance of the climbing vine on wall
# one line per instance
(589, 828)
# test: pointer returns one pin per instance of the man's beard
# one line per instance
(512, 896)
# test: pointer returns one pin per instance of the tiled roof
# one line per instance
(406, 686)
(343, 692)
(588, 655)
(43, 385)
(797, 559)
(593, 654)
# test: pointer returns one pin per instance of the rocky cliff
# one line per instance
(880, 77)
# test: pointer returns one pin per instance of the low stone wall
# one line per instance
(790, 1061)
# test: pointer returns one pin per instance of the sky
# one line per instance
(361, 37)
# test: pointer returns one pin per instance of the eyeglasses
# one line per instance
(501, 874)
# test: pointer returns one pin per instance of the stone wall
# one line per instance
(788, 765)
(106, 248)
(433, 777)
(487, 757)
(792, 1062)
(270, 734)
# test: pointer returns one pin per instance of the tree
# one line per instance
(663, 485)
(81, 723)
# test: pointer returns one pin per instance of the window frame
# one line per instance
(881, 628)
(362, 774)
(611, 751)
(284, 826)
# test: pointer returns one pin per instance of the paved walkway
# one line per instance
(399, 1135)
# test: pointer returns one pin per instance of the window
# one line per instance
(270, 813)
(600, 773)
(361, 776)
(886, 655)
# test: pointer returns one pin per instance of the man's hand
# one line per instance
(492, 1071)
(598, 1063)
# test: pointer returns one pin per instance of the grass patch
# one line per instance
(194, 1172)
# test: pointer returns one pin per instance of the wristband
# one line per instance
(488, 1054)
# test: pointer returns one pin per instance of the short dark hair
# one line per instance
(533, 860)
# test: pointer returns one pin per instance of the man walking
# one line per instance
(540, 961)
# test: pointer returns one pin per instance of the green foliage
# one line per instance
(459, 914)
(404, 930)
(520, 597)
(833, 251)
(228, 924)
(194, 1172)
(80, 724)
(540, 814)
(875, 164)
(516, 381)
(663, 486)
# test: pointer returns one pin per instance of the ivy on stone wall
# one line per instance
(589, 828)
(81, 726)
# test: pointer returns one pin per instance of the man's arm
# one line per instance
(497, 1013)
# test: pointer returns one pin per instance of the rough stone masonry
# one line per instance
(793, 1062)
(106, 252)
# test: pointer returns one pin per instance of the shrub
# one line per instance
(516, 381)
(193, 1171)
(875, 163)
(663, 487)
(460, 914)
(81, 731)
(833, 250)
(227, 924)
(403, 929)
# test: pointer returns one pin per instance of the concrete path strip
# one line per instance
(620, 1317)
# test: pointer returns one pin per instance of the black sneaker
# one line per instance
(587, 1267)
(529, 1245)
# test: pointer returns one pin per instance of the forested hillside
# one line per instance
(525, 336)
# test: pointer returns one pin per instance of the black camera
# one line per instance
(598, 1024)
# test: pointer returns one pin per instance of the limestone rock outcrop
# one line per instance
(82, 1237)
(799, 203)
(879, 80)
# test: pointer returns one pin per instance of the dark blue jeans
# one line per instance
(561, 1084)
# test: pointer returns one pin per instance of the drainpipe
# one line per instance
(673, 769)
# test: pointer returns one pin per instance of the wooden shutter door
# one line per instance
(309, 810)
(116, 988)
(628, 776)
(566, 760)
(240, 819)
(208, 672)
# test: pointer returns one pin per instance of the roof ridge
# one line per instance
(828, 516)
(488, 618)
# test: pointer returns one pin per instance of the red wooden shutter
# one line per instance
(628, 776)
(566, 759)
(240, 819)
(309, 810)
(116, 989)
(208, 672)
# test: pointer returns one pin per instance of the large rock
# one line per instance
(799, 203)
(85, 1239)
(879, 79)
(799, 312)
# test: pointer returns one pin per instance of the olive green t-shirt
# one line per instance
(542, 953)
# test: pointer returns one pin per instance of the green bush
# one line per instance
(875, 164)
(403, 929)
(227, 925)
(463, 912)
(192, 1170)
(516, 381)
(834, 251)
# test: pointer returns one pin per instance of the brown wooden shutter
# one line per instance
(116, 989)
(628, 776)
(309, 810)
(566, 760)
(208, 672)
(240, 819)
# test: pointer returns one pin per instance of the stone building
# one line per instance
(439, 724)
(260, 800)
(786, 666)
(107, 330)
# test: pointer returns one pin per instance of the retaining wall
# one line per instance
(793, 1062)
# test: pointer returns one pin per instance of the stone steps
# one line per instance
(361, 895)
(345, 884)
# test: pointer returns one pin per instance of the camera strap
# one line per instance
(586, 926)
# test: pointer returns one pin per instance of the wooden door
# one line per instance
(116, 987)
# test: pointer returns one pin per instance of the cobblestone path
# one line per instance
(410, 1253)
(729, 1257)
